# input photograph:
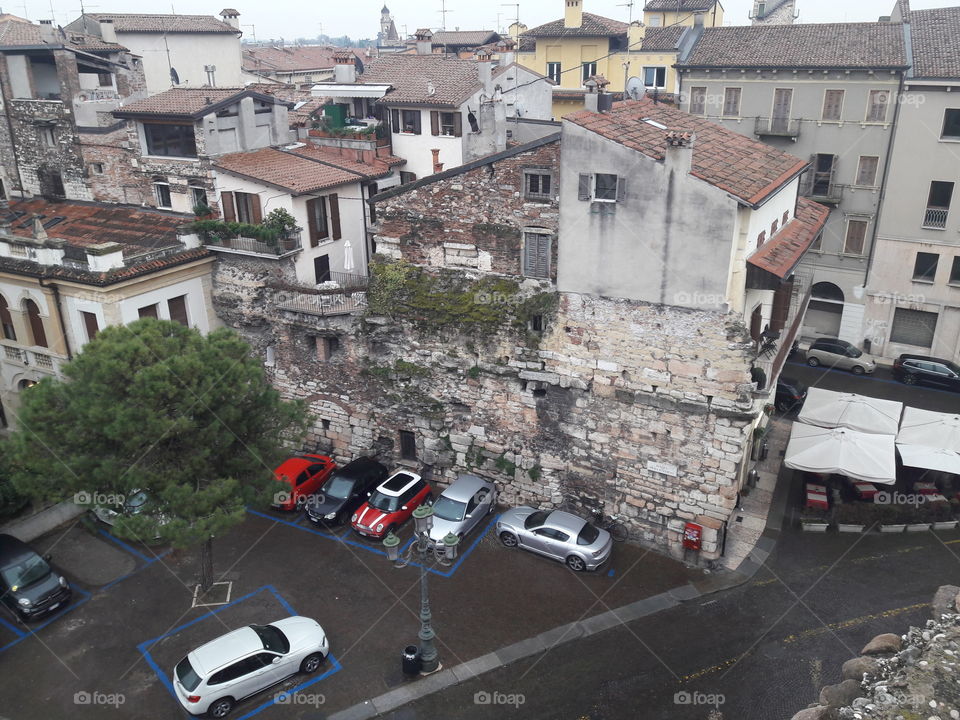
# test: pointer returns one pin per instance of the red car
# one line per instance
(305, 474)
(391, 504)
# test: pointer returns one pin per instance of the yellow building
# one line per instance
(582, 45)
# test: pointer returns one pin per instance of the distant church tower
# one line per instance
(388, 36)
(773, 12)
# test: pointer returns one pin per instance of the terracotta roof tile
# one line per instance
(745, 168)
(188, 102)
(138, 23)
(781, 254)
(936, 53)
(293, 59)
(827, 45)
(662, 38)
(451, 79)
(17, 33)
(591, 26)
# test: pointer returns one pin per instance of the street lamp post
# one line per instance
(443, 555)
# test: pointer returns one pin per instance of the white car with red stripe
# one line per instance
(391, 504)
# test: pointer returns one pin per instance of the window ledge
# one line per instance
(950, 139)
(931, 227)
(923, 281)
(168, 158)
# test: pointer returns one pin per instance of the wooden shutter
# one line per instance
(256, 214)
(335, 216)
(457, 124)
(312, 222)
(781, 305)
(148, 311)
(583, 192)
(397, 127)
(36, 324)
(227, 206)
(90, 323)
(832, 105)
(536, 255)
(621, 188)
(178, 310)
(416, 122)
(434, 122)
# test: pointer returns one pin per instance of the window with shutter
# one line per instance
(867, 170)
(90, 324)
(877, 105)
(832, 106)
(536, 254)
(149, 311)
(605, 187)
(321, 269)
(227, 206)
(583, 190)
(335, 216)
(6, 320)
(925, 266)
(395, 120)
(856, 237)
(698, 101)
(913, 327)
(177, 306)
(317, 224)
(457, 125)
(731, 102)
(434, 122)
(38, 334)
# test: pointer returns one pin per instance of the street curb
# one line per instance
(38, 524)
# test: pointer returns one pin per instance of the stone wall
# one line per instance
(556, 397)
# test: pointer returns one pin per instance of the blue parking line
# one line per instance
(335, 665)
(12, 628)
(56, 616)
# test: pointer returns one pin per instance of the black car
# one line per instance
(345, 491)
(926, 370)
(30, 587)
(790, 394)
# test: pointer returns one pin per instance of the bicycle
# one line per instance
(618, 531)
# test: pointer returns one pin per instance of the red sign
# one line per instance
(692, 536)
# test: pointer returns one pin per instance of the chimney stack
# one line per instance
(573, 14)
(48, 33)
(485, 70)
(592, 97)
(505, 50)
(437, 165)
(231, 17)
(678, 155)
(344, 67)
(424, 39)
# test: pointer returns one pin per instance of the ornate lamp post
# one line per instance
(443, 554)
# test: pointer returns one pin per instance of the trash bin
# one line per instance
(412, 663)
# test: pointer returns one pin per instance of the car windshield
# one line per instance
(186, 675)
(854, 352)
(272, 638)
(26, 572)
(447, 509)
(136, 502)
(588, 535)
(535, 520)
(338, 487)
(386, 503)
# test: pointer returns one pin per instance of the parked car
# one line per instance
(345, 490)
(216, 676)
(461, 506)
(790, 394)
(137, 503)
(305, 474)
(926, 370)
(837, 353)
(31, 589)
(556, 534)
(391, 504)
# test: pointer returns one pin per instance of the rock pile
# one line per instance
(910, 677)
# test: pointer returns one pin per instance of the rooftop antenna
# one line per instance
(514, 5)
(443, 14)
(499, 15)
(629, 6)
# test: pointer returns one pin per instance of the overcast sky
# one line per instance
(360, 18)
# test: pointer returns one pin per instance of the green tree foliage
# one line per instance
(158, 407)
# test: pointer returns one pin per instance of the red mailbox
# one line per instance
(692, 536)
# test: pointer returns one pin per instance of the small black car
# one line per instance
(790, 394)
(30, 587)
(926, 370)
(345, 491)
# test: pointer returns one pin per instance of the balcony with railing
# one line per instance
(341, 294)
(44, 361)
(242, 239)
(777, 127)
(935, 218)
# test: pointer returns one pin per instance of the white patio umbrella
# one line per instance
(933, 429)
(827, 408)
(928, 458)
(863, 456)
(347, 257)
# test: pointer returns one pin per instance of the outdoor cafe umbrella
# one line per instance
(933, 429)
(862, 456)
(347, 257)
(829, 409)
(929, 458)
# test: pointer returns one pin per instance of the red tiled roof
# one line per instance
(342, 158)
(662, 38)
(591, 26)
(138, 23)
(935, 52)
(451, 79)
(189, 102)
(18, 33)
(745, 168)
(102, 279)
(293, 59)
(301, 170)
(781, 254)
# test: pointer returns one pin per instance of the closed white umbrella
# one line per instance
(863, 456)
(347, 257)
(933, 429)
(827, 408)
(928, 458)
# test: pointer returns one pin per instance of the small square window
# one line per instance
(408, 445)
(925, 267)
(951, 124)
(199, 196)
(536, 323)
(325, 424)
(655, 77)
(955, 271)
(96, 168)
(537, 184)
(589, 70)
(162, 193)
(47, 136)
(553, 72)
(605, 187)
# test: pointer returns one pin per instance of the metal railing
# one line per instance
(830, 193)
(283, 246)
(784, 127)
(936, 218)
(319, 303)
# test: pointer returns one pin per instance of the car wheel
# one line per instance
(909, 379)
(813, 362)
(509, 539)
(220, 708)
(311, 663)
(576, 563)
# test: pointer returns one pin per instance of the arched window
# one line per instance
(38, 336)
(6, 322)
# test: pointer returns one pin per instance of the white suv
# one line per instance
(216, 676)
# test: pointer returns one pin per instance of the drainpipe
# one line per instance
(13, 140)
(63, 326)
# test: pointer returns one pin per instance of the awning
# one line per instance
(932, 429)
(827, 408)
(862, 456)
(921, 456)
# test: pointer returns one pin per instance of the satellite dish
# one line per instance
(174, 78)
(635, 88)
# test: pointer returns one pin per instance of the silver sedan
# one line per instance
(462, 505)
(557, 535)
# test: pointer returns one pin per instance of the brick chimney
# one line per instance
(344, 67)
(108, 32)
(505, 49)
(437, 165)
(678, 156)
(573, 14)
(424, 39)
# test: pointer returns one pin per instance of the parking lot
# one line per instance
(111, 652)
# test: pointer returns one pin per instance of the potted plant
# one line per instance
(891, 518)
(284, 225)
(203, 211)
(853, 516)
(814, 520)
(940, 514)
